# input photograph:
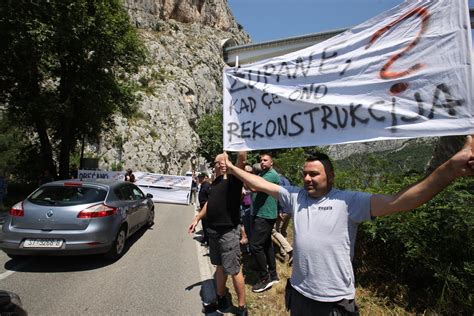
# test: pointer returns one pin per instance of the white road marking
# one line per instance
(19, 266)
(5, 275)
(206, 270)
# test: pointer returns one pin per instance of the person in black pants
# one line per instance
(194, 188)
(203, 196)
(266, 211)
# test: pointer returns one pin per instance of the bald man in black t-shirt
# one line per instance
(222, 212)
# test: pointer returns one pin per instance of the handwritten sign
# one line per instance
(97, 174)
(405, 73)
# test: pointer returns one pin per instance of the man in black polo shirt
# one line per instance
(222, 212)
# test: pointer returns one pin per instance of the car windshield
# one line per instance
(64, 195)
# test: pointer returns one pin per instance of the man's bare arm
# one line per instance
(241, 159)
(461, 164)
(199, 216)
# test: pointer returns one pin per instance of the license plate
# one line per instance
(43, 243)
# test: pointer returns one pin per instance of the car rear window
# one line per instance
(124, 193)
(62, 196)
(129, 193)
(137, 194)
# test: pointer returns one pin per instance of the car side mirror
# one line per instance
(149, 195)
(10, 304)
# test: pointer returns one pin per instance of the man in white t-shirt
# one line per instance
(325, 224)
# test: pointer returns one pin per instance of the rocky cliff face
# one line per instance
(346, 150)
(183, 82)
(149, 13)
(445, 147)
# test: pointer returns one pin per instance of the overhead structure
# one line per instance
(253, 52)
(246, 54)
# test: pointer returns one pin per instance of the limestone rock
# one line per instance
(149, 13)
(183, 82)
(345, 150)
(444, 149)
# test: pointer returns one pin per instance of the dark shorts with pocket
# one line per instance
(300, 305)
(224, 249)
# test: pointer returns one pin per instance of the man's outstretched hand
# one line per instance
(192, 227)
(462, 163)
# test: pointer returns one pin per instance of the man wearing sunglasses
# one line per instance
(222, 212)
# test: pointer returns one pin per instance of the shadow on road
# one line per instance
(208, 298)
(67, 263)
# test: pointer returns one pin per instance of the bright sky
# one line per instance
(267, 20)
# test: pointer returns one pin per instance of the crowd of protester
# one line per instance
(325, 222)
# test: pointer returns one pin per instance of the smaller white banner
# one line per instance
(97, 174)
(162, 180)
(167, 195)
(165, 188)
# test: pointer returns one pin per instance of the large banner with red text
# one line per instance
(405, 73)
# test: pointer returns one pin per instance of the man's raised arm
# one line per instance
(255, 182)
(241, 159)
(461, 164)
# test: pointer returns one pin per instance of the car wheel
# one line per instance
(118, 247)
(151, 218)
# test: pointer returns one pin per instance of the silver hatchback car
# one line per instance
(76, 217)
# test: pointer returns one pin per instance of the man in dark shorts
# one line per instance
(222, 212)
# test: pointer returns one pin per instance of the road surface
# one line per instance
(161, 273)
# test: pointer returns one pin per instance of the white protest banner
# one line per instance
(162, 180)
(405, 73)
(165, 188)
(167, 195)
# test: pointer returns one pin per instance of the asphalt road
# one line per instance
(161, 273)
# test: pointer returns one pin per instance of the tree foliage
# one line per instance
(289, 163)
(64, 69)
(11, 139)
(209, 129)
(425, 255)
